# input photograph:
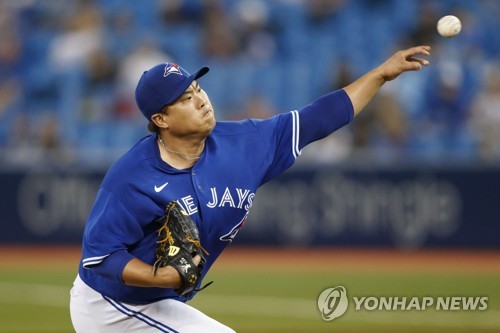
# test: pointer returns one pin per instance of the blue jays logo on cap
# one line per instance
(172, 69)
(157, 88)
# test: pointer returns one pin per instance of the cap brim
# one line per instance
(200, 72)
(182, 88)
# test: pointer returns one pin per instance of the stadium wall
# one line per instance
(402, 208)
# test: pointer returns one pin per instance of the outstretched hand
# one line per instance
(403, 61)
(363, 89)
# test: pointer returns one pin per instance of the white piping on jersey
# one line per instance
(93, 261)
(295, 134)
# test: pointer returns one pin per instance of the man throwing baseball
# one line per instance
(202, 174)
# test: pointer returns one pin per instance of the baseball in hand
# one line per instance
(449, 26)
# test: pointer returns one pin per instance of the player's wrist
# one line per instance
(168, 277)
(379, 75)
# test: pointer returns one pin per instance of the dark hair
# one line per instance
(152, 127)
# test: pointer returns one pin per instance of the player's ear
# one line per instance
(160, 120)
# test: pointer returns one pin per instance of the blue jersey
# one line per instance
(217, 192)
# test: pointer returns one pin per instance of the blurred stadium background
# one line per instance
(415, 178)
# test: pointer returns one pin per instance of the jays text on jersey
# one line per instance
(217, 192)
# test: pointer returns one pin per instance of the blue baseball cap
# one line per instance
(161, 85)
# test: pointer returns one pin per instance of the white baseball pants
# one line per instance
(93, 312)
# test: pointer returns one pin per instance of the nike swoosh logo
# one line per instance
(159, 188)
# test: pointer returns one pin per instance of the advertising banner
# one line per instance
(404, 208)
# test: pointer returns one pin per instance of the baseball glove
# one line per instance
(178, 243)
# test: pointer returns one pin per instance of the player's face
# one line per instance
(192, 113)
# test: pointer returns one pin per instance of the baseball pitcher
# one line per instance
(169, 206)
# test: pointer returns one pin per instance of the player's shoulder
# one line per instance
(246, 126)
(142, 150)
(135, 158)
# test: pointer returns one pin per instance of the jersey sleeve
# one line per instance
(279, 137)
(286, 134)
(110, 229)
(324, 116)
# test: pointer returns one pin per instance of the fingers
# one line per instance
(197, 259)
(402, 61)
(422, 49)
(417, 63)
